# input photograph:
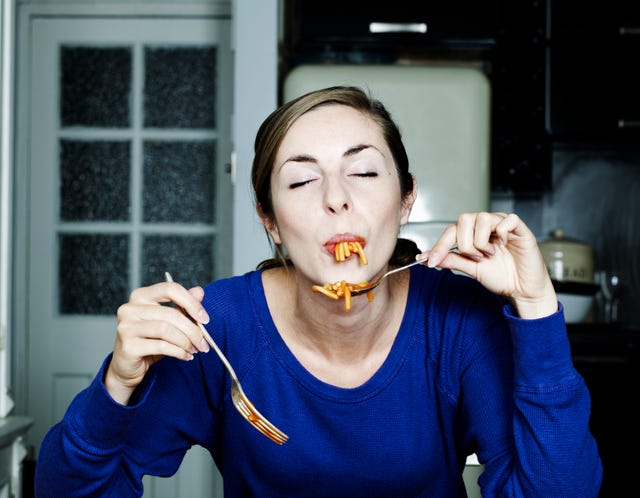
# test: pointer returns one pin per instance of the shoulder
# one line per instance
(233, 293)
(238, 312)
(458, 310)
(444, 287)
(238, 283)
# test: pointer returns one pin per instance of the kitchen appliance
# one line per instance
(443, 113)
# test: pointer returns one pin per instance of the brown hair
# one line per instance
(274, 128)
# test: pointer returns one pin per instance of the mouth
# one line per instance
(343, 246)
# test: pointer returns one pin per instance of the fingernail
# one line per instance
(203, 317)
(203, 345)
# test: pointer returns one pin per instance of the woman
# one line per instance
(386, 398)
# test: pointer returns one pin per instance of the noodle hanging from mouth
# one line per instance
(344, 249)
(343, 289)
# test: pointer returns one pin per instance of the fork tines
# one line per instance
(256, 419)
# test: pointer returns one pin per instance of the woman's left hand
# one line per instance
(501, 253)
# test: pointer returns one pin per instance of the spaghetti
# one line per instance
(342, 289)
(343, 250)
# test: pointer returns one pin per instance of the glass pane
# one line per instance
(189, 259)
(180, 87)
(94, 180)
(95, 86)
(179, 181)
(89, 288)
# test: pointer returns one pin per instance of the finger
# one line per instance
(133, 319)
(442, 246)
(185, 325)
(149, 347)
(165, 292)
(484, 238)
(187, 300)
(512, 224)
(465, 235)
(197, 292)
(159, 327)
(462, 263)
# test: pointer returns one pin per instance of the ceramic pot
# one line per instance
(568, 260)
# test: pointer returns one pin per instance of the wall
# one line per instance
(595, 197)
(255, 42)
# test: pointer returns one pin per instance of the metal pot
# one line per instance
(568, 260)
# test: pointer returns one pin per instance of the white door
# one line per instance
(129, 145)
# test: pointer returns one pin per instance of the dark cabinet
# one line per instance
(560, 70)
(607, 358)
(521, 152)
(594, 83)
(366, 27)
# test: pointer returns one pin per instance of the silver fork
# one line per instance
(369, 286)
(244, 406)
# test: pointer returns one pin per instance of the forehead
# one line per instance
(334, 122)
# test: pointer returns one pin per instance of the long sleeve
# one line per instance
(85, 448)
(102, 448)
(553, 451)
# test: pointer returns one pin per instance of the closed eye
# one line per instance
(368, 174)
(299, 184)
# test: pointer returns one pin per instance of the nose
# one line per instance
(336, 196)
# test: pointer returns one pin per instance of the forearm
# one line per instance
(83, 455)
(554, 446)
(68, 466)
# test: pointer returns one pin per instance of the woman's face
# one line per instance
(334, 180)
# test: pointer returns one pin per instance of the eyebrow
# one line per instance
(351, 151)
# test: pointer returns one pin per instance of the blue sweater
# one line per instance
(463, 376)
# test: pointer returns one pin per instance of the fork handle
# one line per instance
(205, 333)
(220, 354)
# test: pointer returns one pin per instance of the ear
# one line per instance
(269, 225)
(408, 201)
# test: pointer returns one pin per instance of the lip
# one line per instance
(330, 245)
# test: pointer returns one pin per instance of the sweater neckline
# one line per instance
(377, 382)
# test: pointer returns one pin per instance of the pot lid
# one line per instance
(558, 236)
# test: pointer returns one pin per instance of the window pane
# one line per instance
(179, 181)
(180, 87)
(189, 259)
(94, 180)
(89, 288)
(95, 87)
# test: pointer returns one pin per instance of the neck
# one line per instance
(340, 347)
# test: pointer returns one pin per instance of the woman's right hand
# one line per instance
(148, 331)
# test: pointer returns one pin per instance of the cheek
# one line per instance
(387, 206)
(288, 223)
